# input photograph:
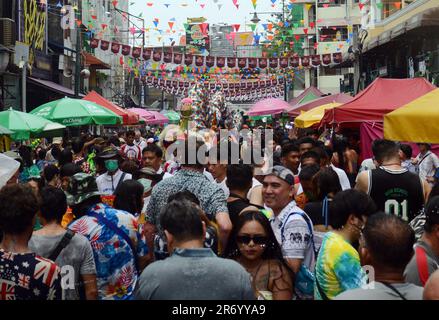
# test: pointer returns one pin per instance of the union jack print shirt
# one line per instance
(27, 276)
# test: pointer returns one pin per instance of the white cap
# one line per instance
(8, 167)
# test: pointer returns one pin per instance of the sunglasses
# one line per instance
(256, 239)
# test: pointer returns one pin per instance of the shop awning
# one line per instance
(381, 97)
(127, 116)
(54, 87)
(421, 13)
(339, 98)
(309, 94)
(91, 60)
(416, 121)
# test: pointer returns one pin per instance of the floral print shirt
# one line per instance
(115, 261)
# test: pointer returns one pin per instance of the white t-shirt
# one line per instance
(107, 184)
(342, 177)
(427, 166)
(142, 144)
(224, 187)
(297, 242)
(132, 152)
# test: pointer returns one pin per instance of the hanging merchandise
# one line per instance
(205, 61)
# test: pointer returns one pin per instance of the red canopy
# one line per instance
(379, 98)
(337, 98)
(127, 116)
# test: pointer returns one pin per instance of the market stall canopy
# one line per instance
(26, 125)
(268, 106)
(127, 116)
(339, 98)
(314, 116)
(379, 98)
(171, 115)
(151, 117)
(417, 121)
(5, 131)
(309, 94)
(77, 112)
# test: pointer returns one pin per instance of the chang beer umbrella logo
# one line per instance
(92, 109)
(72, 121)
(43, 112)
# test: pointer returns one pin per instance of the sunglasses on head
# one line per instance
(256, 239)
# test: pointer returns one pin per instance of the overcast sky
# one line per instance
(180, 10)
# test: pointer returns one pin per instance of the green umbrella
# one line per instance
(77, 112)
(5, 131)
(25, 125)
(171, 115)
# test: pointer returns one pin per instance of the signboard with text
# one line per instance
(197, 39)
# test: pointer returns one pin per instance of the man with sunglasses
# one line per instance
(292, 227)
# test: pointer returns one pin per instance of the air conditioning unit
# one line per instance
(7, 32)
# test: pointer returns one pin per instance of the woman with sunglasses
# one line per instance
(255, 247)
(338, 265)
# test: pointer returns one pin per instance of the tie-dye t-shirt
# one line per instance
(338, 267)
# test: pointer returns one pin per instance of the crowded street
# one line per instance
(224, 150)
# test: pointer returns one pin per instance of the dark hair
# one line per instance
(53, 204)
(129, 166)
(130, 133)
(308, 172)
(339, 146)
(349, 202)
(384, 149)
(390, 240)
(304, 140)
(321, 152)
(42, 154)
(182, 219)
(239, 176)
(65, 157)
(310, 154)
(407, 150)
(25, 153)
(56, 152)
(18, 206)
(289, 147)
(184, 196)
(152, 147)
(326, 181)
(272, 251)
(114, 140)
(431, 213)
(128, 196)
(69, 169)
(427, 145)
(77, 145)
(50, 171)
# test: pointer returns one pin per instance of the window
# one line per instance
(330, 3)
(332, 34)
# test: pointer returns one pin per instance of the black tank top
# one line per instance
(397, 192)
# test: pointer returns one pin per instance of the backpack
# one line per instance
(305, 278)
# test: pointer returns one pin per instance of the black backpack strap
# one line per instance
(391, 287)
(64, 242)
(119, 232)
(122, 177)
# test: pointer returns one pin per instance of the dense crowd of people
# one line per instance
(121, 217)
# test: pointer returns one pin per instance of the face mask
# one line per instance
(112, 165)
